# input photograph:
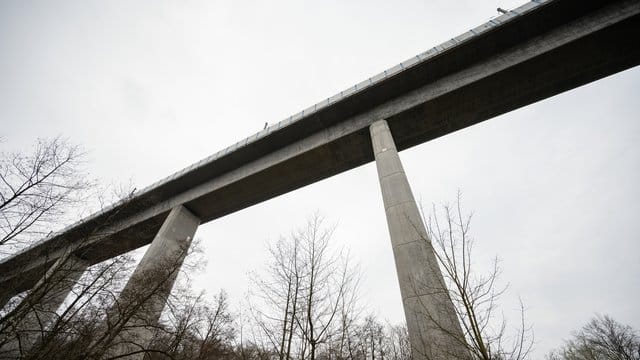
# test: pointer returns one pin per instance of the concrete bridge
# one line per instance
(528, 54)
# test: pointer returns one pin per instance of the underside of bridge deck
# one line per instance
(525, 57)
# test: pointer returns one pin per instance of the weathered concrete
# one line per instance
(142, 300)
(536, 51)
(434, 329)
(38, 311)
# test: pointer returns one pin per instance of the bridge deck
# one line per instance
(531, 53)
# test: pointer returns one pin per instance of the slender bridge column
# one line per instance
(37, 312)
(143, 298)
(434, 330)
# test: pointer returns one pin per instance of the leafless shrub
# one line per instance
(602, 338)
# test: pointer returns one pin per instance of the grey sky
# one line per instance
(149, 87)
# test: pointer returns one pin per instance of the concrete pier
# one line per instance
(142, 300)
(434, 329)
(37, 312)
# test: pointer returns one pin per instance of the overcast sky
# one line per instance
(149, 87)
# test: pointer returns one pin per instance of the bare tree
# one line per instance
(93, 320)
(602, 338)
(329, 279)
(475, 296)
(40, 331)
(307, 286)
(374, 338)
(36, 189)
(344, 342)
(370, 338)
(280, 294)
(398, 342)
(96, 321)
(196, 328)
(33, 321)
(99, 321)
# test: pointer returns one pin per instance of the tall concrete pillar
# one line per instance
(37, 312)
(144, 296)
(434, 329)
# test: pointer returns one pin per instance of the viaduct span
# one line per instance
(533, 52)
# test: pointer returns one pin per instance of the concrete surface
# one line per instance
(144, 296)
(434, 329)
